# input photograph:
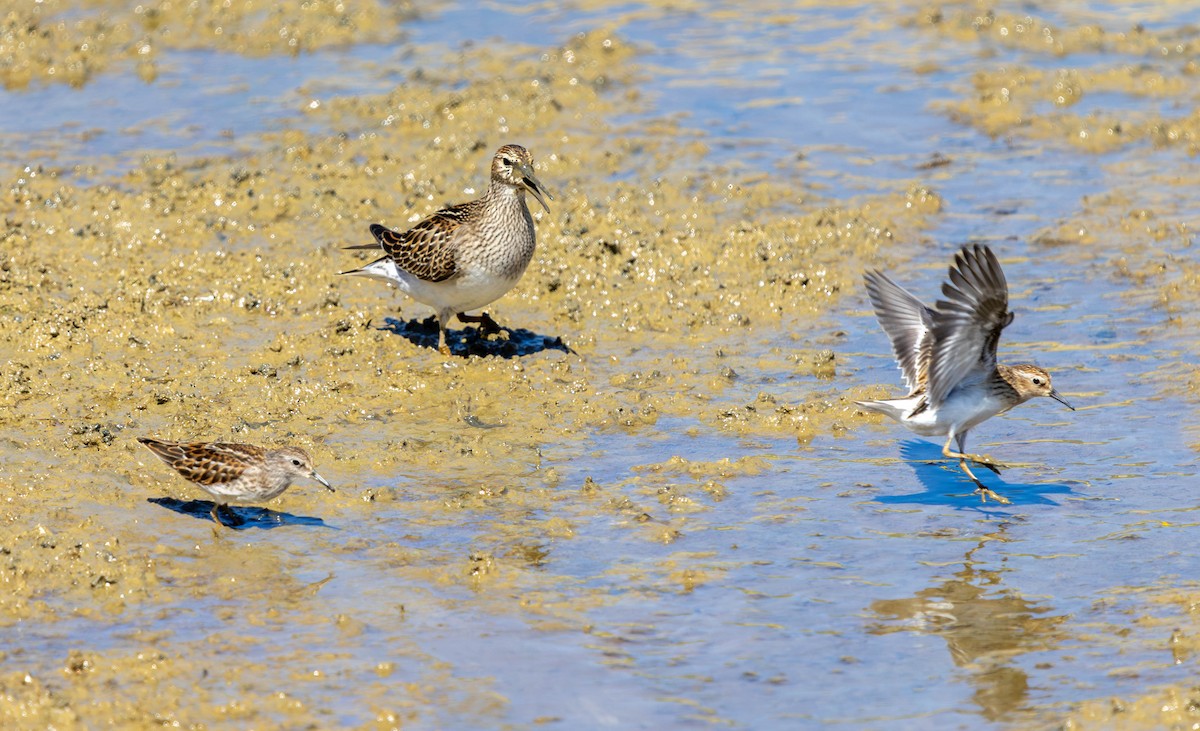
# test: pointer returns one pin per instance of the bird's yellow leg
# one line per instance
(443, 317)
(980, 459)
(216, 515)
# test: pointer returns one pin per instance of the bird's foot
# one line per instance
(985, 493)
(216, 516)
(487, 326)
(981, 489)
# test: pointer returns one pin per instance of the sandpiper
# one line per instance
(235, 472)
(465, 256)
(947, 355)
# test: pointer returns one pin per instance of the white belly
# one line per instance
(466, 291)
(961, 411)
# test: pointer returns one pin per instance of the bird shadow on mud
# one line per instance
(945, 483)
(239, 517)
(508, 343)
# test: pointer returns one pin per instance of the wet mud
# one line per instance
(676, 359)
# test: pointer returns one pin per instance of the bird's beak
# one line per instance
(321, 480)
(1054, 394)
(535, 187)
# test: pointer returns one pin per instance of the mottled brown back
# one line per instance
(425, 250)
(206, 463)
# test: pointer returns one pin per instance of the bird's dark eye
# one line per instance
(297, 462)
(1037, 381)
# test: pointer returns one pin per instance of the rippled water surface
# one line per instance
(713, 578)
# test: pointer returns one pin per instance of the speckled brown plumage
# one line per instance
(465, 256)
(424, 250)
(235, 472)
(206, 464)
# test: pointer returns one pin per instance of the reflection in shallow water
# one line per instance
(986, 627)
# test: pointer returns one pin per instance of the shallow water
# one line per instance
(626, 546)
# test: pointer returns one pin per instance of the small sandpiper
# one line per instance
(235, 472)
(465, 256)
(947, 355)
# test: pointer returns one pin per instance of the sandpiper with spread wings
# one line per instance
(947, 355)
(465, 256)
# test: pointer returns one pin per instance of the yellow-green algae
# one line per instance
(1169, 618)
(1021, 99)
(64, 41)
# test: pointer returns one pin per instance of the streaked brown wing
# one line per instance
(425, 250)
(968, 323)
(206, 464)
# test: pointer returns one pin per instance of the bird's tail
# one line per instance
(895, 409)
(382, 268)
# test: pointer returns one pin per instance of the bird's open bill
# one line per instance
(534, 186)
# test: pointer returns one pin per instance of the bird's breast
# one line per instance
(504, 244)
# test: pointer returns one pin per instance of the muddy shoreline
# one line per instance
(198, 299)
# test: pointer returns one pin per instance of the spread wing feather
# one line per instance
(907, 322)
(968, 322)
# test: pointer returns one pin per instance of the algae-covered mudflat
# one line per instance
(650, 502)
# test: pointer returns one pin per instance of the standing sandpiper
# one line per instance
(236, 472)
(465, 256)
(947, 355)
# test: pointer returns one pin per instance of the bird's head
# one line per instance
(295, 462)
(1032, 381)
(513, 165)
